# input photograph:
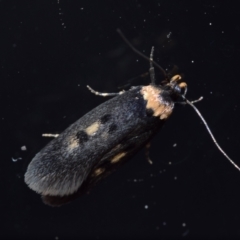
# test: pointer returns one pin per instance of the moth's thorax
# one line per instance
(157, 102)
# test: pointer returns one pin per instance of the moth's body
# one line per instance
(99, 142)
(103, 139)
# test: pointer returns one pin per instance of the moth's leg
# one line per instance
(50, 135)
(104, 94)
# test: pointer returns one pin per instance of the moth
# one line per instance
(105, 138)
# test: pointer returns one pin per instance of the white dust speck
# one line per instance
(146, 206)
(174, 145)
(175, 178)
(192, 61)
(169, 35)
(210, 24)
(16, 159)
(24, 148)
(169, 163)
(184, 224)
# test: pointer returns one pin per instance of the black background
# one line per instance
(50, 51)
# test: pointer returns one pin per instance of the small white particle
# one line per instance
(184, 224)
(146, 206)
(144, 20)
(135, 180)
(222, 31)
(78, 85)
(164, 223)
(169, 163)
(23, 148)
(210, 92)
(56, 238)
(137, 60)
(175, 178)
(169, 35)
(81, 8)
(210, 24)
(174, 145)
(192, 61)
(16, 159)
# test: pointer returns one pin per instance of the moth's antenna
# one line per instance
(210, 133)
(140, 54)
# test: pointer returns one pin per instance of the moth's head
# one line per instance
(175, 86)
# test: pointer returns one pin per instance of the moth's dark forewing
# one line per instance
(131, 146)
(67, 163)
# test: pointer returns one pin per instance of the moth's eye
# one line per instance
(177, 89)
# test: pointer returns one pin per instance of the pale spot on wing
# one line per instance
(98, 171)
(92, 128)
(73, 143)
(118, 157)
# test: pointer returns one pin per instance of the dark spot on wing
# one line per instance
(112, 128)
(82, 136)
(105, 118)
